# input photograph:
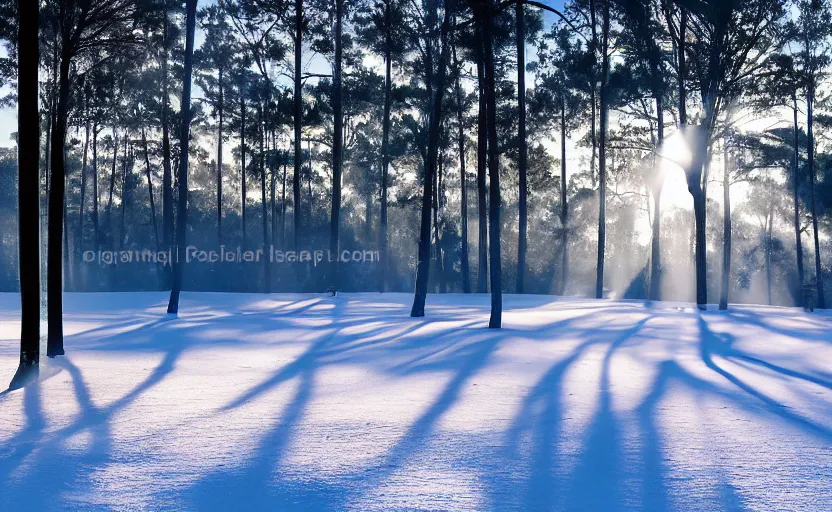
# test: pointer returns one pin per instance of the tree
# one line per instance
(728, 43)
(521, 136)
(184, 138)
(813, 34)
(337, 140)
(28, 143)
(379, 29)
(216, 53)
(90, 30)
(435, 121)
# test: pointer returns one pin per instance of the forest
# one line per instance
(644, 149)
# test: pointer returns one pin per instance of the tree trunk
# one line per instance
(384, 239)
(79, 243)
(769, 222)
(243, 161)
(167, 178)
(463, 183)
(564, 208)
(298, 119)
(219, 159)
(821, 301)
(602, 156)
(337, 145)
(796, 177)
(182, 204)
(264, 207)
(658, 185)
(112, 187)
(283, 206)
(423, 265)
(95, 222)
(726, 229)
(54, 259)
(494, 201)
(521, 135)
(150, 191)
(28, 217)
(482, 157)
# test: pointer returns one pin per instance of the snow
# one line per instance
(306, 402)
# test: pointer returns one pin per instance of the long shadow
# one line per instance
(714, 344)
(597, 479)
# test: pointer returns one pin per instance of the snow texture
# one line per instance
(309, 402)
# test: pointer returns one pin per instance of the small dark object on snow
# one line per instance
(809, 295)
(331, 291)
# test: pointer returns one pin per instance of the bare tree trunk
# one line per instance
(821, 300)
(521, 134)
(602, 156)
(482, 157)
(769, 222)
(337, 145)
(264, 207)
(28, 143)
(54, 261)
(243, 161)
(167, 177)
(150, 191)
(79, 243)
(112, 187)
(219, 158)
(423, 265)
(495, 322)
(298, 120)
(184, 137)
(564, 207)
(796, 177)
(283, 205)
(726, 229)
(384, 239)
(95, 222)
(463, 183)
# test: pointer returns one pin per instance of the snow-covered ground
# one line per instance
(304, 402)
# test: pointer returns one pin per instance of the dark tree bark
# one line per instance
(283, 204)
(243, 159)
(337, 145)
(810, 100)
(28, 217)
(55, 222)
(167, 177)
(564, 207)
(384, 239)
(220, 107)
(796, 190)
(150, 190)
(494, 200)
(423, 265)
(298, 120)
(95, 222)
(112, 187)
(264, 206)
(726, 229)
(79, 244)
(182, 204)
(521, 134)
(602, 154)
(482, 162)
(463, 182)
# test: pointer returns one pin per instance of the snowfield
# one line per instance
(305, 402)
